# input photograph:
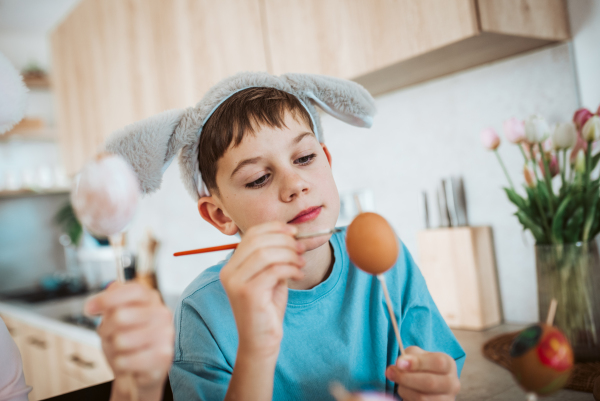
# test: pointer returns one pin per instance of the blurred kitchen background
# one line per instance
(441, 71)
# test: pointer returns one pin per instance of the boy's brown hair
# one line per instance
(241, 114)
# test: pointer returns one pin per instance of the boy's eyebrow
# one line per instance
(245, 163)
(256, 159)
(301, 136)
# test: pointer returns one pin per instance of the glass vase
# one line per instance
(571, 274)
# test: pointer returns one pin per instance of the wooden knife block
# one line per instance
(460, 270)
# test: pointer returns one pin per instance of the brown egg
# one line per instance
(371, 243)
(105, 195)
(541, 359)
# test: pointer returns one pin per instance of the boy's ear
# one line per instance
(150, 145)
(211, 212)
(343, 99)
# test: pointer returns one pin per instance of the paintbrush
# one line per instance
(233, 246)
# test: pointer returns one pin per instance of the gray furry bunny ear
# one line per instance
(149, 145)
(343, 99)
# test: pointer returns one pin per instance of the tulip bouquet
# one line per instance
(561, 197)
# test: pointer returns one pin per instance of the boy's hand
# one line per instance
(137, 337)
(423, 375)
(255, 280)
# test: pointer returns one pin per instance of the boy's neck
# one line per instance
(319, 264)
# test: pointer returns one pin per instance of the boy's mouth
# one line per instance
(306, 215)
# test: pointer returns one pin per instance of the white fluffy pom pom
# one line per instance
(13, 95)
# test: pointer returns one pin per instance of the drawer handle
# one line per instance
(36, 342)
(81, 362)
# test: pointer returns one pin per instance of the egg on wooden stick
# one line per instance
(373, 247)
(541, 358)
(105, 197)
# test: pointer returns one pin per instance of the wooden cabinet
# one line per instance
(352, 38)
(118, 61)
(53, 364)
(389, 44)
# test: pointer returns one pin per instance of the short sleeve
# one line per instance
(200, 370)
(12, 380)
(422, 323)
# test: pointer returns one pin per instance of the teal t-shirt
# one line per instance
(337, 331)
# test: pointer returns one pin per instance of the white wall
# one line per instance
(430, 131)
(585, 27)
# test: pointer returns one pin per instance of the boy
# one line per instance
(281, 319)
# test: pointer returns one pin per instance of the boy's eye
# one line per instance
(306, 159)
(258, 183)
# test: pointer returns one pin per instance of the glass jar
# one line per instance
(571, 274)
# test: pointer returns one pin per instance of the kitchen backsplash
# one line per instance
(29, 246)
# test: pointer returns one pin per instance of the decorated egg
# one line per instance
(371, 243)
(105, 195)
(541, 359)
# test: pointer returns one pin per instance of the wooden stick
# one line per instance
(551, 312)
(339, 392)
(233, 246)
(117, 241)
(388, 301)
(357, 202)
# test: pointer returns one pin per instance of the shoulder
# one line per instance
(206, 288)
(206, 279)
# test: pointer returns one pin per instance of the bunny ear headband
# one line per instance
(150, 145)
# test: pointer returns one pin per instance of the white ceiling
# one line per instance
(33, 16)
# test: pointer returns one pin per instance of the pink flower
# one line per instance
(529, 178)
(552, 165)
(581, 116)
(548, 145)
(490, 139)
(514, 130)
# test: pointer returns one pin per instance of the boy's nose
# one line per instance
(292, 187)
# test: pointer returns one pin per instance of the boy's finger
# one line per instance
(154, 359)
(272, 240)
(432, 362)
(272, 227)
(129, 317)
(425, 383)
(409, 394)
(142, 337)
(119, 296)
(273, 275)
(266, 257)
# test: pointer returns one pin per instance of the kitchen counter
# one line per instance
(50, 315)
(483, 380)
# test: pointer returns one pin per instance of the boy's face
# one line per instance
(278, 175)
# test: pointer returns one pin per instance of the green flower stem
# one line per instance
(588, 168)
(505, 170)
(586, 188)
(523, 153)
(547, 178)
(563, 170)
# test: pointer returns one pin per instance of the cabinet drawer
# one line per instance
(84, 363)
